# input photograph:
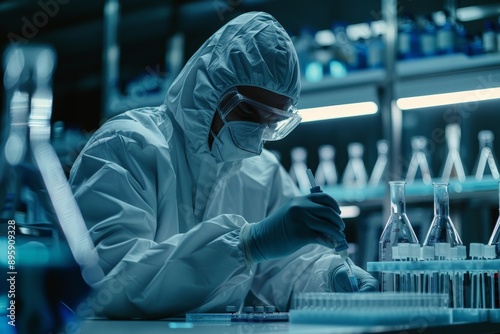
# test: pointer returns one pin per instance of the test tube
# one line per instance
(342, 246)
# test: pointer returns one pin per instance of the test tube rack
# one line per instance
(371, 309)
(471, 284)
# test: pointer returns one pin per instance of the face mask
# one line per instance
(238, 140)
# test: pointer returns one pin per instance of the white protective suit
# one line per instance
(165, 217)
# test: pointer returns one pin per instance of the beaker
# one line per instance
(397, 230)
(486, 162)
(495, 236)
(442, 229)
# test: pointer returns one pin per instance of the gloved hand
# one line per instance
(339, 281)
(314, 218)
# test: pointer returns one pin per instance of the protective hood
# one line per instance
(252, 49)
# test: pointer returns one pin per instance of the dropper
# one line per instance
(341, 246)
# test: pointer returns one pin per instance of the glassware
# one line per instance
(397, 230)
(355, 172)
(418, 161)
(326, 173)
(442, 229)
(495, 236)
(380, 169)
(453, 167)
(298, 168)
(486, 162)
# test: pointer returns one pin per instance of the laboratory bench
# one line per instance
(180, 326)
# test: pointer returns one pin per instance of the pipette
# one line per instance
(341, 247)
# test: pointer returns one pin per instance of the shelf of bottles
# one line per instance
(345, 53)
(357, 185)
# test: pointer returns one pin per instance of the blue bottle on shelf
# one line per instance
(446, 36)
(408, 39)
(489, 38)
(427, 37)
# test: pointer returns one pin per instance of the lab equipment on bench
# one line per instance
(341, 246)
(369, 308)
(442, 229)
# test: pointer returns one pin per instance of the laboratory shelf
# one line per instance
(458, 62)
(416, 192)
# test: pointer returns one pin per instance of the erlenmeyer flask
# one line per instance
(486, 162)
(495, 236)
(453, 167)
(398, 229)
(355, 172)
(380, 169)
(298, 168)
(419, 161)
(326, 173)
(442, 229)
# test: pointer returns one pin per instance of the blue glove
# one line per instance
(314, 218)
(339, 281)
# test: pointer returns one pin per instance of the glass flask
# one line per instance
(453, 167)
(486, 162)
(419, 161)
(442, 229)
(298, 168)
(398, 229)
(326, 173)
(495, 236)
(355, 172)
(380, 169)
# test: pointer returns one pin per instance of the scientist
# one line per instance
(188, 212)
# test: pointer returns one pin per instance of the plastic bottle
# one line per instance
(397, 230)
(442, 229)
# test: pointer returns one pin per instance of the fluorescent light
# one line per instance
(350, 211)
(338, 111)
(435, 100)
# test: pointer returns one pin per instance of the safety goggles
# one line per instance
(276, 123)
